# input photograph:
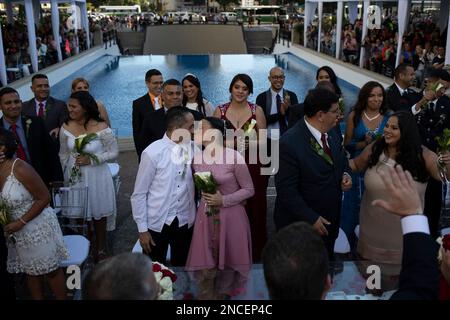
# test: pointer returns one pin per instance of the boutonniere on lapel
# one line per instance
(319, 150)
(27, 128)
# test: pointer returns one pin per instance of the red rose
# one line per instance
(156, 267)
(446, 242)
(171, 275)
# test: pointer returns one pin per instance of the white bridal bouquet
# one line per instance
(78, 149)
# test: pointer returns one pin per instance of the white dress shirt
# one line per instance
(316, 134)
(415, 223)
(164, 187)
(273, 110)
(36, 105)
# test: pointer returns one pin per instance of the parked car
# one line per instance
(231, 16)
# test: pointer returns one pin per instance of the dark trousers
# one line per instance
(6, 279)
(179, 239)
(433, 203)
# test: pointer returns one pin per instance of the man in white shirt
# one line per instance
(163, 203)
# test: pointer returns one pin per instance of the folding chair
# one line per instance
(341, 245)
(70, 206)
(137, 248)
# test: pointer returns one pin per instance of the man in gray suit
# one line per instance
(52, 111)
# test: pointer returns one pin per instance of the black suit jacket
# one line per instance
(141, 108)
(308, 186)
(397, 102)
(154, 126)
(264, 100)
(42, 149)
(55, 112)
(419, 278)
(433, 121)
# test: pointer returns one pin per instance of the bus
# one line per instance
(266, 14)
(120, 10)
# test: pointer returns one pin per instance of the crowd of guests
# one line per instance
(325, 180)
(422, 45)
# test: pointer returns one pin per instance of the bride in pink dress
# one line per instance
(220, 255)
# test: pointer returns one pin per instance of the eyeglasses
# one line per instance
(277, 77)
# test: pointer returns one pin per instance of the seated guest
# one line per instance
(295, 269)
(127, 276)
(35, 145)
(34, 239)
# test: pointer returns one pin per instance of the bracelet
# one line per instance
(23, 221)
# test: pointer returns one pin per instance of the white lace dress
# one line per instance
(39, 246)
(97, 177)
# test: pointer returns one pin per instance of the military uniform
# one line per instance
(432, 120)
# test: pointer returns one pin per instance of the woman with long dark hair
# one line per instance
(364, 124)
(84, 119)
(241, 114)
(193, 96)
(380, 235)
(221, 250)
(325, 73)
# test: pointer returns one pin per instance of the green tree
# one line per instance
(225, 3)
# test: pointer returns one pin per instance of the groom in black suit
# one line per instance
(313, 169)
(35, 145)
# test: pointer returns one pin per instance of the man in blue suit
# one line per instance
(313, 169)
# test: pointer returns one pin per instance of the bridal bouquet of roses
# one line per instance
(165, 278)
(79, 149)
(5, 216)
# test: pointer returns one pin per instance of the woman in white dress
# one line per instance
(193, 96)
(35, 242)
(84, 118)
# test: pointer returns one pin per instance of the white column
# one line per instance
(85, 22)
(31, 34)
(403, 18)
(352, 11)
(55, 27)
(340, 9)
(447, 50)
(443, 15)
(364, 31)
(3, 76)
(306, 20)
(9, 12)
(36, 10)
(75, 24)
(319, 32)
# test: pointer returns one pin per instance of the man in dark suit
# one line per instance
(313, 169)
(52, 111)
(399, 96)
(149, 102)
(296, 252)
(154, 125)
(35, 145)
(432, 119)
(275, 102)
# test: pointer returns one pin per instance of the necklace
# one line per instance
(369, 118)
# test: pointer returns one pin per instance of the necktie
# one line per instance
(41, 110)
(20, 152)
(282, 119)
(325, 147)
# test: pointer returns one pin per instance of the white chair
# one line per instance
(70, 206)
(357, 231)
(78, 248)
(114, 168)
(445, 231)
(341, 245)
(137, 248)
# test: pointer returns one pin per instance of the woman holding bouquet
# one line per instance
(33, 236)
(221, 250)
(241, 114)
(88, 168)
(380, 236)
(364, 124)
